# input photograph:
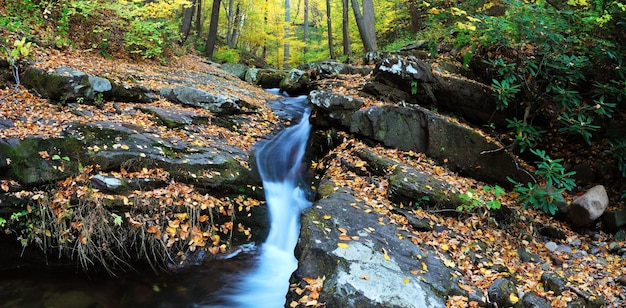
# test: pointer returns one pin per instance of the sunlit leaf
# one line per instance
(342, 245)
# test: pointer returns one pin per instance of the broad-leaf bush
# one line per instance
(555, 67)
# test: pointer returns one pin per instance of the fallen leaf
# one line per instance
(342, 245)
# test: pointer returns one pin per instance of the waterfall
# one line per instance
(280, 163)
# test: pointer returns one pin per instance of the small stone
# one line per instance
(545, 266)
(553, 282)
(579, 254)
(551, 246)
(564, 249)
(527, 256)
(575, 242)
(589, 206)
(620, 236)
(532, 300)
(622, 280)
(500, 292)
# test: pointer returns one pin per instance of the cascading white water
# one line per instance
(280, 163)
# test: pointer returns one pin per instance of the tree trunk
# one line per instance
(287, 21)
(199, 18)
(345, 30)
(370, 23)
(331, 49)
(365, 38)
(239, 21)
(212, 37)
(185, 26)
(230, 22)
(306, 26)
(416, 20)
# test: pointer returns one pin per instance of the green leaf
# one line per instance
(56, 157)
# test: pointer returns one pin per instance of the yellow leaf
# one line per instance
(424, 266)
(327, 216)
(444, 247)
(124, 147)
(406, 280)
(433, 11)
(513, 298)
(386, 256)
(342, 245)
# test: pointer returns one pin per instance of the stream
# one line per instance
(258, 277)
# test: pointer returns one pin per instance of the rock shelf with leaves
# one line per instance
(159, 180)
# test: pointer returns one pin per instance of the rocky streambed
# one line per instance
(167, 170)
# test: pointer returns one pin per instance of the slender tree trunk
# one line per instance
(287, 21)
(185, 26)
(345, 30)
(265, 21)
(306, 26)
(239, 21)
(370, 23)
(416, 20)
(331, 49)
(199, 18)
(230, 22)
(212, 36)
(365, 38)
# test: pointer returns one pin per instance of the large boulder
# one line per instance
(69, 85)
(265, 78)
(450, 92)
(408, 185)
(588, 207)
(219, 104)
(331, 69)
(296, 82)
(237, 69)
(459, 147)
(409, 74)
(333, 109)
(367, 269)
(111, 145)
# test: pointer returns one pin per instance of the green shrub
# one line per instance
(225, 54)
(553, 181)
(487, 200)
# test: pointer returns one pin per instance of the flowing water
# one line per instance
(280, 163)
(259, 277)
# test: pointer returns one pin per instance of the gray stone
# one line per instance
(564, 248)
(500, 292)
(411, 187)
(532, 300)
(460, 148)
(527, 256)
(589, 207)
(175, 117)
(551, 246)
(237, 69)
(553, 282)
(375, 269)
(333, 109)
(219, 104)
(68, 85)
(296, 82)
